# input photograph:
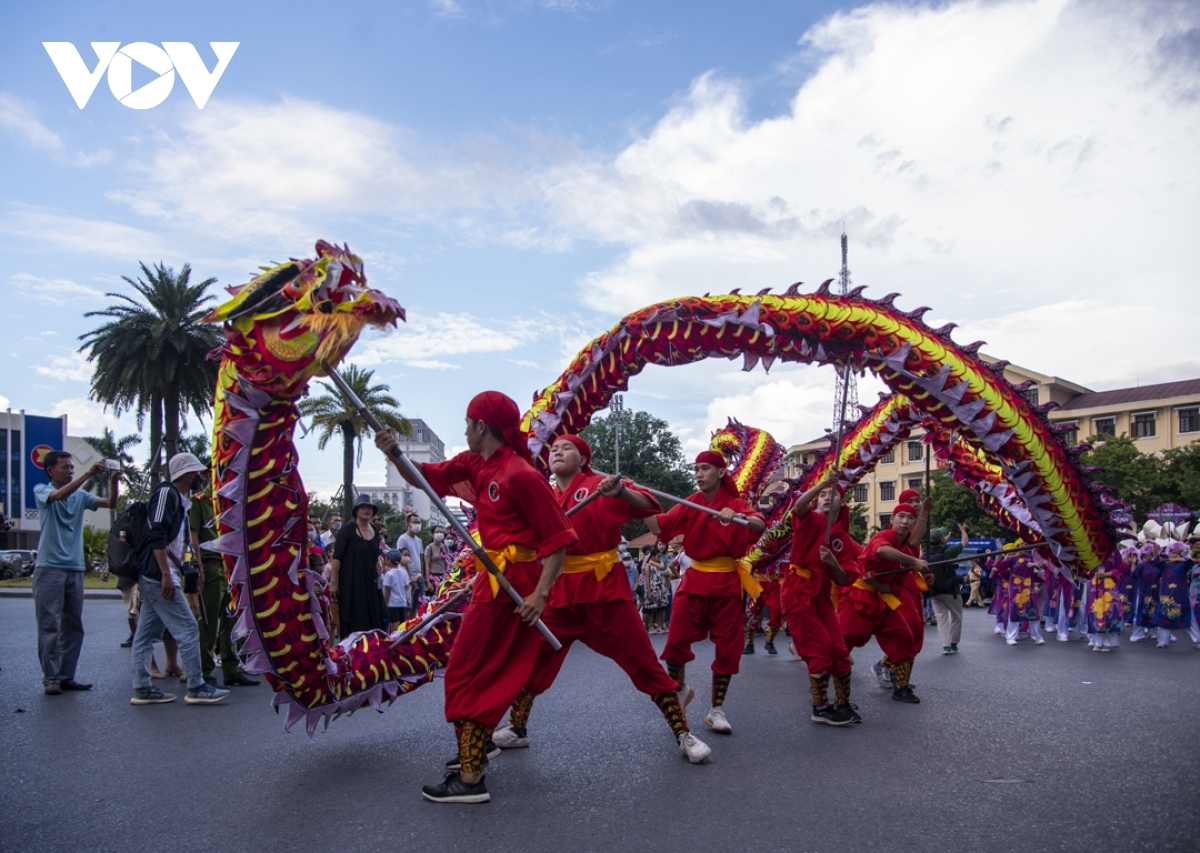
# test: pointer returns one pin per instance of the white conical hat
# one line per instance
(1152, 529)
(1196, 532)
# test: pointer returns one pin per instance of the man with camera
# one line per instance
(160, 577)
(58, 581)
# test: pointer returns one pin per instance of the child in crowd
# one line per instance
(396, 583)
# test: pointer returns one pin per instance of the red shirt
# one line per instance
(514, 506)
(870, 561)
(598, 526)
(705, 537)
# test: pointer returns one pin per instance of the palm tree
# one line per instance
(151, 356)
(332, 413)
(110, 447)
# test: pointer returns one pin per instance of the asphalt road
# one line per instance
(1013, 749)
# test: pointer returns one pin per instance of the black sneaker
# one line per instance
(490, 751)
(851, 709)
(749, 650)
(831, 715)
(770, 647)
(454, 790)
(905, 694)
(128, 642)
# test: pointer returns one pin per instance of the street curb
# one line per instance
(88, 593)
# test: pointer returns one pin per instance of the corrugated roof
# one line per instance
(1122, 396)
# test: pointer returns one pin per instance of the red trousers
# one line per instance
(695, 617)
(914, 611)
(768, 599)
(863, 614)
(610, 628)
(492, 659)
(816, 631)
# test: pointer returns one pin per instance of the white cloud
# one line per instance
(82, 236)
(18, 118)
(87, 417)
(995, 160)
(53, 291)
(445, 335)
(74, 367)
(5, 403)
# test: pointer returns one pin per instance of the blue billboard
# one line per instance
(41, 436)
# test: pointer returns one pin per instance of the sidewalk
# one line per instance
(87, 593)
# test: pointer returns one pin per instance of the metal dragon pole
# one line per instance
(431, 616)
(737, 519)
(837, 453)
(413, 474)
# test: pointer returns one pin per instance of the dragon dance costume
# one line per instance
(520, 523)
(812, 618)
(864, 612)
(592, 602)
(709, 600)
(770, 579)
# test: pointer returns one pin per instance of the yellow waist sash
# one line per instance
(922, 584)
(728, 564)
(509, 554)
(601, 563)
(890, 600)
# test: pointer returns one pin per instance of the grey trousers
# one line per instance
(949, 618)
(174, 615)
(58, 603)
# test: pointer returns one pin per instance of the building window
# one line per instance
(1189, 420)
(890, 456)
(860, 493)
(915, 483)
(1143, 425)
(915, 449)
(1031, 395)
(885, 520)
(1104, 426)
(887, 491)
(1071, 436)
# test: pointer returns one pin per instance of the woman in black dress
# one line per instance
(354, 571)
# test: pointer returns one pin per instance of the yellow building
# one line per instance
(1157, 416)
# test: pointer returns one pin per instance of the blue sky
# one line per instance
(521, 174)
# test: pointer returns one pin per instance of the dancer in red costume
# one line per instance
(872, 606)
(709, 600)
(592, 603)
(910, 588)
(807, 596)
(769, 579)
(526, 534)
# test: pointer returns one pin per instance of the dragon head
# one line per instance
(281, 326)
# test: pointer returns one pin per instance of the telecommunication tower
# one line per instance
(849, 382)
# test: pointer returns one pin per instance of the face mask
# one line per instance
(335, 526)
(413, 528)
(438, 537)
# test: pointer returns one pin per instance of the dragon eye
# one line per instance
(325, 307)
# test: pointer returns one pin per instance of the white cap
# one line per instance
(184, 463)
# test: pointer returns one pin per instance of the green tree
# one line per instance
(651, 454)
(1181, 475)
(1136, 477)
(331, 413)
(954, 504)
(858, 521)
(95, 546)
(150, 354)
(110, 447)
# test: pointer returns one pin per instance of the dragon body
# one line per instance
(284, 325)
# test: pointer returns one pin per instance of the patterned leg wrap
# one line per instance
(819, 686)
(676, 671)
(672, 712)
(903, 672)
(720, 686)
(841, 687)
(771, 632)
(471, 739)
(518, 715)
(750, 632)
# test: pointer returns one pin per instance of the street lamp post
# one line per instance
(618, 409)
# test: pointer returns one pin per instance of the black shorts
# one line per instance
(397, 614)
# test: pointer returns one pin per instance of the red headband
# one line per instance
(839, 488)
(715, 459)
(585, 450)
(909, 496)
(711, 457)
(499, 411)
(909, 508)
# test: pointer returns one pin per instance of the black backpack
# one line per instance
(126, 532)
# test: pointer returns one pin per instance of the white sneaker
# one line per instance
(694, 749)
(792, 648)
(1011, 642)
(1063, 639)
(686, 695)
(506, 737)
(717, 722)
